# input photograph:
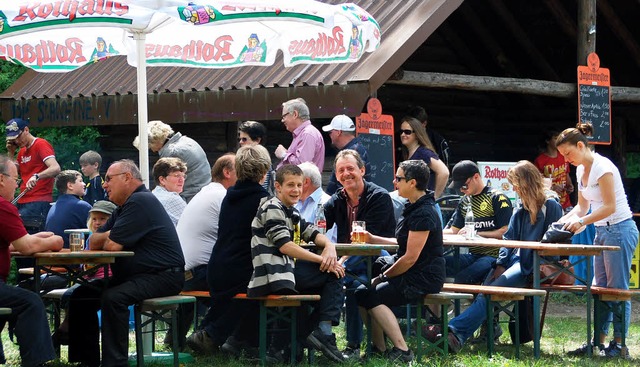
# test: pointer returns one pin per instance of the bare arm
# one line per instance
(53, 168)
(442, 175)
(101, 241)
(415, 244)
(496, 233)
(608, 205)
(39, 242)
(371, 238)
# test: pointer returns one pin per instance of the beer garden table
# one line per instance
(541, 250)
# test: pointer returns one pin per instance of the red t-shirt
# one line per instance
(31, 161)
(558, 170)
(10, 230)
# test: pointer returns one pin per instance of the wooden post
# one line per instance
(586, 29)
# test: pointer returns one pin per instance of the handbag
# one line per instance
(525, 322)
(556, 234)
(560, 278)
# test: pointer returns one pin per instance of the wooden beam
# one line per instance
(506, 85)
(524, 41)
(586, 30)
(562, 17)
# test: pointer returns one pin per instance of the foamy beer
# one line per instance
(358, 227)
(76, 242)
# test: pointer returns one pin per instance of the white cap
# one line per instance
(340, 122)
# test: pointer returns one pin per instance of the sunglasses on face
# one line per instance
(406, 132)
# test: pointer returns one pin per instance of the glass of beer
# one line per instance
(358, 227)
(76, 241)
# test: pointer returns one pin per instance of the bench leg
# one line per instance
(489, 311)
(139, 347)
(174, 333)
(263, 334)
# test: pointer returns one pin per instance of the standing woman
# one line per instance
(417, 269)
(253, 133)
(600, 188)
(514, 265)
(418, 146)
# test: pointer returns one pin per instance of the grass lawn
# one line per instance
(564, 330)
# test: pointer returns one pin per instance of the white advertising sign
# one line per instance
(494, 174)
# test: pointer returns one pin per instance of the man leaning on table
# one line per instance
(139, 224)
(31, 326)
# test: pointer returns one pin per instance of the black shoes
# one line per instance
(326, 344)
(397, 355)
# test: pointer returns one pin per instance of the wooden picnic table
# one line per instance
(540, 250)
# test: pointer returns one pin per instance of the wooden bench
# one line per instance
(276, 307)
(44, 270)
(5, 311)
(442, 299)
(53, 299)
(499, 299)
(601, 295)
(156, 309)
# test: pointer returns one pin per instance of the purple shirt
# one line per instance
(307, 146)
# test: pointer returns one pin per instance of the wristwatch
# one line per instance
(581, 221)
(37, 176)
(383, 278)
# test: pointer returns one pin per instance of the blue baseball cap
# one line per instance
(14, 127)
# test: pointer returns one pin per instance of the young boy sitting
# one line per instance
(278, 230)
(90, 162)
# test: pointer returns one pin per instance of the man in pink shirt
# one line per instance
(307, 144)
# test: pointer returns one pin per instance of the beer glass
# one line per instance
(358, 227)
(76, 242)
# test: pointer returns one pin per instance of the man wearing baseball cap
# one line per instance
(37, 166)
(342, 132)
(492, 212)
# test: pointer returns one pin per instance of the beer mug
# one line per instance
(76, 241)
(358, 227)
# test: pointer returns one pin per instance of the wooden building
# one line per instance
(494, 75)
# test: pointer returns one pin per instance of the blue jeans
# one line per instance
(473, 268)
(470, 320)
(612, 268)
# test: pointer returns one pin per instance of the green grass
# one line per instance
(561, 334)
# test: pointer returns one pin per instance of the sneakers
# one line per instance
(582, 351)
(201, 343)
(482, 336)
(236, 347)
(326, 344)
(397, 355)
(615, 350)
(351, 352)
(375, 353)
(431, 332)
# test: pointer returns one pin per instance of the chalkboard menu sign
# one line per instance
(375, 131)
(594, 99)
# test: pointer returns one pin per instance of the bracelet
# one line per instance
(581, 221)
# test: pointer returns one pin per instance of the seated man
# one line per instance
(140, 224)
(277, 232)
(69, 211)
(31, 326)
(492, 212)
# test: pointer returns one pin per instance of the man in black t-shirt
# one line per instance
(139, 224)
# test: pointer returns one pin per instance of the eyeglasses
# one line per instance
(285, 115)
(178, 175)
(16, 179)
(465, 187)
(406, 132)
(108, 178)
(244, 140)
(400, 178)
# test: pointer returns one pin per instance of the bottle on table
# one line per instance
(321, 221)
(469, 223)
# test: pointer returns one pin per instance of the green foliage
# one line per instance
(70, 142)
(9, 73)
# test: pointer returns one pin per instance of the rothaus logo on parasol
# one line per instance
(70, 9)
(323, 46)
(47, 52)
(219, 50)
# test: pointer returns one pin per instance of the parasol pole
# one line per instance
(141, 70)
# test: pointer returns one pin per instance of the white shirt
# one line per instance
(172, 202)
(308, 207)
(198, 227)
(601, 166)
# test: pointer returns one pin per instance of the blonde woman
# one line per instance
(513, 266)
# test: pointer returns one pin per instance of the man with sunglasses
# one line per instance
(492, 211)
(37, 166)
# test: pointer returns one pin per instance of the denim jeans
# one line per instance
(36, 210)
(472, 268)
(470, 320)
(612, 268)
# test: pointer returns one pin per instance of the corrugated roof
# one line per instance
(405, 26)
